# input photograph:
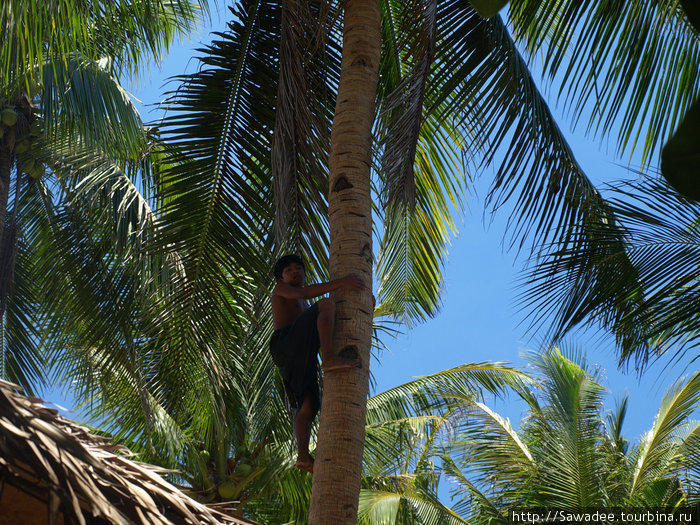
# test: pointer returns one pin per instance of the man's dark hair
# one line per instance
(285, 261)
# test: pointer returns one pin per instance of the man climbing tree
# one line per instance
(300, 330)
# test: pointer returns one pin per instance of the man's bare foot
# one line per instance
(341, 363)
(306, 464)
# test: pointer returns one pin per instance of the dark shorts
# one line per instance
(294, 350)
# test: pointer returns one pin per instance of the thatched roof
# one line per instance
(57, 470)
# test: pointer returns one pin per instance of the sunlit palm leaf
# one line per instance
(658, 444)
(378, 508)
(443, 391)
(419, 174)
(563, 456)
(428, 509)
(82, 101)
(689, 458)
(416, 234)
(572, 462)
(36, 33)
(488, 445)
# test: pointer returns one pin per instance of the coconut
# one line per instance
(28, 165)
(36, 172)
(8, 116)
(243, 469)
(227, 489)
(21, 146)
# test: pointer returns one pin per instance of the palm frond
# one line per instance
(488, 92)
(688, 459)
(474, 505)
(402, 446)
(614, 422)
(643, 289)
(81, 101)
(33, 34)
(416, 235)
(309, 72)
(677, 405)
(573, 414)
(22, 360)
(215, 195)
(428, 509)
(418, 171)
(663, 244)
(498, 435)
(443, 391)
(633, 64)
(409, 43)
(378, 507)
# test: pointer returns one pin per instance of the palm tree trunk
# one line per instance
(338, 466)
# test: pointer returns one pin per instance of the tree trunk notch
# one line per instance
(338, 466)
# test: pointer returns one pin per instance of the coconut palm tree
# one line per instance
(446, 74)
(569, 455)
(60, 98)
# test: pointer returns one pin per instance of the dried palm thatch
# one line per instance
(54, 471)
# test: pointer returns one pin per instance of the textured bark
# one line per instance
(338, 466)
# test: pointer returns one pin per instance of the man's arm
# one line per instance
(351, 282)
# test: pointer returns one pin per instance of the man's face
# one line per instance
(293, 274)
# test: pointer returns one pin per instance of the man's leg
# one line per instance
(325, 323)
(302, 431)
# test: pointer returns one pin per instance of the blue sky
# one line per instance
(480, 320)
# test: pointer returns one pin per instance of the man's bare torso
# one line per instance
(285, 311)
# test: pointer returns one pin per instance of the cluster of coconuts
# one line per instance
(239, 475)
(15, 119)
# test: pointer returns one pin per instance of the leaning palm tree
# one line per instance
(569, 455)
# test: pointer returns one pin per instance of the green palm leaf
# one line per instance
(81, 101)
(572, 461)
(33, 34)
(215, 197)
(478, 97)
(659, 443)
(21, 360)
(378, 508)
(443, 391)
